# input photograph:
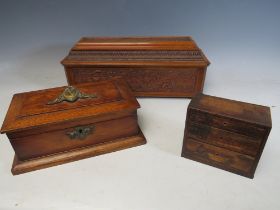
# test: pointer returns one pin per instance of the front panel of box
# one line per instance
(33, 146)
(145, 80)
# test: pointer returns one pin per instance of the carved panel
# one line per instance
(143, 79)
(136, 55)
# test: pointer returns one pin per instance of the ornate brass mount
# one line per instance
(71, 94)
(80, 132)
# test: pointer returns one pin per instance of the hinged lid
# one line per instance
(178, 50)
(252, 113)
(37, 108)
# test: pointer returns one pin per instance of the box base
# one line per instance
(20, 167)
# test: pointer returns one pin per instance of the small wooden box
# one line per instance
(59, 125)
(152, 66)
(226, 134)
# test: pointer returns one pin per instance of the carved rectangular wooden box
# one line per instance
(152, 66)
(59, 125)
(226, 134)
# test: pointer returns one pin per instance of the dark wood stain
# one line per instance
(226, 134)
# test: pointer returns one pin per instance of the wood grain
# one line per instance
(58, 141)
(226, 134)
(20, 167)
(216, 156)
(30, 109)
(40, 132)
(152, 66)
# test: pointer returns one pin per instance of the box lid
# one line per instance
(175, 50)
(252, 113)
(56, 105)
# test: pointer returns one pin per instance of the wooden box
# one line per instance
(152, 66)
(226, 134)
(59, 125)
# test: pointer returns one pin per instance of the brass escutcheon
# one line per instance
(80, 132)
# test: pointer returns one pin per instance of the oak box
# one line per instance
(227, 134)
(59, 125)
(152, 66)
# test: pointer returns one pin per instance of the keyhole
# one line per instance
(225, 123)
(80, 130)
